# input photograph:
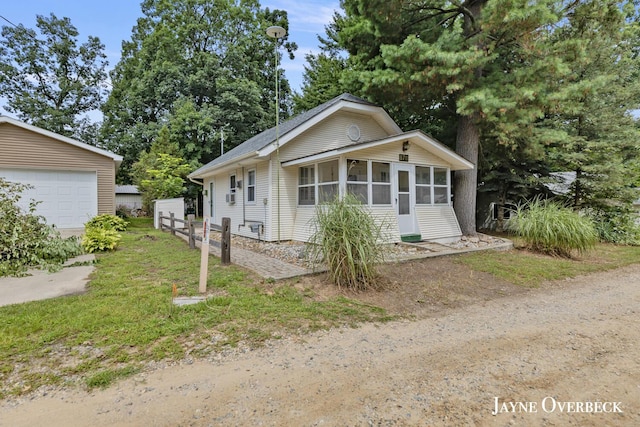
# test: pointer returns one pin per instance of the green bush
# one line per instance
(100, 239)
(616, 225)
(348, 239)
(107, 221)
(101, 233)
(551, 228)
(26, 241)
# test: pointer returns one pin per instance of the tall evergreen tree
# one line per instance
(591, 129)
(51, 81)
(483, 62)
(199, 67)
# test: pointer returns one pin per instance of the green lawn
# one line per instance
(528, 269)
(127, 317)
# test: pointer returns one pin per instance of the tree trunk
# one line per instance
(466, 182)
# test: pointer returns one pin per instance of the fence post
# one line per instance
(192, 231)
(160, 219)
(225, 243)
(173, 223)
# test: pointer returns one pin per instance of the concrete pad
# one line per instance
(44, 285)
(180, 301)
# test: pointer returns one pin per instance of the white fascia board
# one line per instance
(416, 137)
(215, 170)
(378, 113)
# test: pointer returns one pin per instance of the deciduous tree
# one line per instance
(49, 79)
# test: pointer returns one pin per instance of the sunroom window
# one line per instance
(432, 185)
(423, 185)
(380, 183)
(357, 179)
(327, 181)
(440, 186)
(306, 186)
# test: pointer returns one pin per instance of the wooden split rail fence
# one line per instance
(188, 229)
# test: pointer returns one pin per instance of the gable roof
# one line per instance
(263, 143)
(116, 158)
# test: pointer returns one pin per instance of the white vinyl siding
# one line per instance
(330, 134)
(437, 222)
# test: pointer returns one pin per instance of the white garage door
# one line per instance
(68, 198)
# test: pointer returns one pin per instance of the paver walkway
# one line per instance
(269, 267)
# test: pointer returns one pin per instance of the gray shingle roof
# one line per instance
(267, 137)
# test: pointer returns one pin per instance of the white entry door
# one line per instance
(404, 198)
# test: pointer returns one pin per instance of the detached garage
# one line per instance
(73, 181)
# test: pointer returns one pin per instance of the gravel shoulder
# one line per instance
(571, 341)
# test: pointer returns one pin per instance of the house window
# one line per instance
(423, 185)
(357, 179)
(380, 183)
(306, 185)
(432, 185)
(251, 186)
(232, 184)
(440, 186)
(327, 181)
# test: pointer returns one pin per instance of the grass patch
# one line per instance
(525, 268)
(127, 318)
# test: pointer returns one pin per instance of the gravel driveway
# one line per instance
(566, 355)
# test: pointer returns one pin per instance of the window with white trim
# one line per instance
(440, 186)
(432, 185)
(380, 183)
(328, 179)
(306, 185)
(358, 179)
(251, 186)
(232, 184)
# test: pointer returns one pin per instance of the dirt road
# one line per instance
(567, 354)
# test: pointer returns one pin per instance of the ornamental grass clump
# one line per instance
(551, 228)
(347, 239)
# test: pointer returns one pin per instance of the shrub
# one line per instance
(616, 225)
(26, 241)
(347, 238)
(107, 221)
(552, 228)
(100, 239)
(101, 233)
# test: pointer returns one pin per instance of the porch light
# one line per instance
(277, 33)
(405, 146)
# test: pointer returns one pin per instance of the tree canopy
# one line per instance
(49, 79)
(200, 68)
(510, 77)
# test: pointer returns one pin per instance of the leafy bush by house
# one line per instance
(26, 241)
(551, 228)
(348, 239)
(101, 233)
(107, 221)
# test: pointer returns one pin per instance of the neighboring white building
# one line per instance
(128, 196)
(269, 186)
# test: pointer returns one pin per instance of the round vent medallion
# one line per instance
(353, 132)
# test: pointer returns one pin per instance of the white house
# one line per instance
(270, 185)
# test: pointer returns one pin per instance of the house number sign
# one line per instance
(404, 157)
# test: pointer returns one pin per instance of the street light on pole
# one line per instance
(277, 33)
